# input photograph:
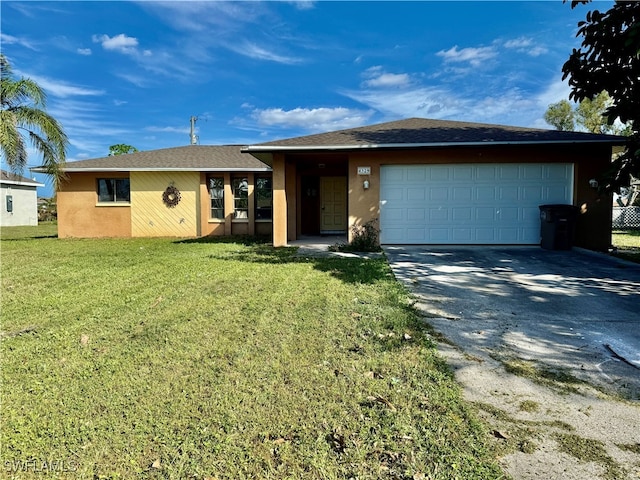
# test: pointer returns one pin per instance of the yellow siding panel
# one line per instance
(150, 217)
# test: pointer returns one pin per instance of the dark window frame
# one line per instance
(113, 190)
(216, 197)
(240, 191)
(263, 193)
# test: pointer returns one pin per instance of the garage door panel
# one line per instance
(509, 235)
(462, 174)
(416, 214)
(462, 194)
(416, 194)
(464, 214)
(438, 174)
(388, 175)
(438, 235)
(508, 193)
(556, 192)
(416, 235)
(486, 214)
(462, 235)
(467, 204)
(509, 214)
(532, 172)
(533, 193)
(486, 173)
(509, 172)
(486, 235)
(396, 216)
(438, 214)
(486, 194)
(416, 174)
(438, 194)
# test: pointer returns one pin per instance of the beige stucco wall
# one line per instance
(280, 212)
(150, 217)
(80, 215)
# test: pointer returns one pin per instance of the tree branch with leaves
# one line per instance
(609, 60)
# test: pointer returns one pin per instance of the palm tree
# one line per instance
(23, 115)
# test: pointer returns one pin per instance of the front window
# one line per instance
(216, 193)
(114, 190)
(264, 198)
(240, 187)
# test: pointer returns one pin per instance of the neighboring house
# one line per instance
(19, 200)
(427, 181)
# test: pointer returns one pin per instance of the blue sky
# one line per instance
(135, 72)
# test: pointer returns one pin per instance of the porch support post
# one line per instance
(290, 182)
(279, 201)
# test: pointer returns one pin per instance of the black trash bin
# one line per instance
(557, 226)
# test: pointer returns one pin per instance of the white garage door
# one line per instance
(469, 203)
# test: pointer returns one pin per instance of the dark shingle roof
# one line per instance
(190, 157)
(8, 177)
(426, 132)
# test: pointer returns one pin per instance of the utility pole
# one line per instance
(194, 137)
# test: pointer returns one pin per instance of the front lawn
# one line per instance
(156, 358)
(627, 243)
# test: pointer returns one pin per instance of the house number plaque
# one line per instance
(364, 170)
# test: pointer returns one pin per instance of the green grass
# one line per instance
(156, 358)
(628, 244)
(590, 450)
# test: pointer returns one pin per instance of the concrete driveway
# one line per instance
(574, 310)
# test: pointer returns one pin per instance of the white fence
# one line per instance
(625, 218)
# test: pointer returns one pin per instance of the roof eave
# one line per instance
(22, 184)
(256, 149)
(157, 169)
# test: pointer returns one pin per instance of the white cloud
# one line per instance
(556, 90)
(120, 43)
(11, 40)
(84, 51)
(84, 123)
(304, 4)
(252, 50)
(464, 102)
(224, 17)
(522, 42)
(312, 119)
(474, 56)
(377, 78)
(63, 89)
(525, 45)
(184, 130)
(428, 102)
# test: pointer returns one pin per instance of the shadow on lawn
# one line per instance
(259, 250)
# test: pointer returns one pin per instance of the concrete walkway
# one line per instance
(318, 246)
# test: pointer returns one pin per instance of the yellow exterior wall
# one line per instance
(80, 215)
(150, 217)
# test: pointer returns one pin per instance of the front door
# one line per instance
(333, 205)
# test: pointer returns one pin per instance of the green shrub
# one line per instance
(365, 239)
